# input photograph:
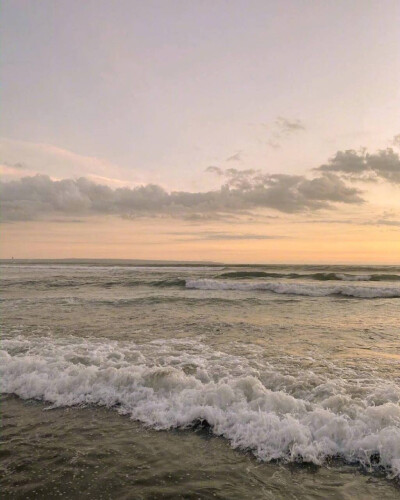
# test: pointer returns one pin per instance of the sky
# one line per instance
(237, 131)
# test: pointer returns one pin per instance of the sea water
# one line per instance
(127, 381)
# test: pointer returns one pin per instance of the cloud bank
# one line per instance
(242, 190)
(40, 196)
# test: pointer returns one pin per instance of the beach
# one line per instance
(203, 381)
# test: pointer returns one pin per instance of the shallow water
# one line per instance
(95, 453)
(266, 382)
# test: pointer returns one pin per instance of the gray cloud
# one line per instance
(220, 236)
(273, 144)
(232, 236)
(384, 222)
(286, 126)
(215, 170)
(396, 141)
(361, 165)
(18, 165)
(281, 130)
(200, 218)
(69, 220)
(236, 157)
(355, 222)
(243, 190)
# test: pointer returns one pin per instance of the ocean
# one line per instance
(199, 381)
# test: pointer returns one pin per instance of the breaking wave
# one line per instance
(128, 281)
(177, 384)
(311, 276)
(365, 292)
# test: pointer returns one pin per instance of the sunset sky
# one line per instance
(240, 131)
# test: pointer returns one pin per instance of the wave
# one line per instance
(311, 276)
(77, 282)
(364, 292)
(181, 383)
(169, 282)
(176, 281)
(71, 300)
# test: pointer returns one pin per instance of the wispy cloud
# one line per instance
(384, 222)
(224, 236)
(30, 158)
(281, 130)
(354, 222)
(17, 165)
(236, 157)
(286, 126)
(396, 141)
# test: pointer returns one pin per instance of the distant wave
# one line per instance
(228, 280)
(311, 276)
(365, 292)
(78, 282)
(124, 302)
(179, 384)
(169, 282)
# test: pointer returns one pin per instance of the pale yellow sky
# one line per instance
(286, 241)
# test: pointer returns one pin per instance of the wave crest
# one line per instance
(364, 292)
(321, 276)
(180, 383)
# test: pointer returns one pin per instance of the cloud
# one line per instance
(396, 141)
(273, 144)
(17, 165)
(224, 236)
(243, 190)
(355, 222)
(281, 130)
(361, 165)
(70, 221)
(384, 222)
(286, 126)
(289, 193)
(196, 217)
(215, 170)
(239, 179)
(17, 156)
(236, 157)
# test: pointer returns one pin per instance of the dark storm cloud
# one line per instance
(39, 196)
(361, 165)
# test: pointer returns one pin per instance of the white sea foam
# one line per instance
(353, 277)
(311, 290)
(259, 407)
